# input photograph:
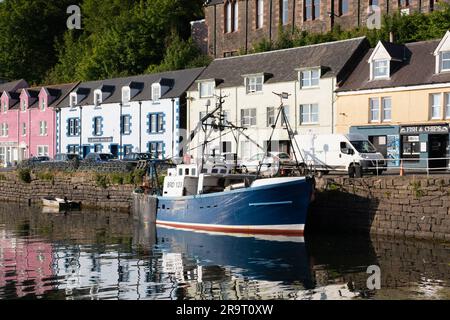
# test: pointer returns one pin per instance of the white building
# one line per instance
(119, 116)
(310, 75)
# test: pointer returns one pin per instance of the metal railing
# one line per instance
(400, 165)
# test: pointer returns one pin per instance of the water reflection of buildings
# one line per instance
(24, 265)
(108, 257)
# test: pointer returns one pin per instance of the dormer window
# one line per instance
(24, 105)
(206, 89)
(43, 104)
(156, 92)
(380, 69)
(4, 106)
(445, 61)
(97, 98)
(254, 84)
(309, 78)
(126, 96)
(73, 100)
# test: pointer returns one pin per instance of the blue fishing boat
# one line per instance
(263, 206)
(218, 198)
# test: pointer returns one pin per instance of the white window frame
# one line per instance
(209, 86)
(228, 17)
(308, 79)
(260, 14)
(42, 150)
(248, 117)
(285, 12)
(98, 98)
(383, 104)
(5, 129)
(23, 105)
(157, 97)
(24, 129)
(236, 16)
(4, 108)
(446, 60)
(310, 113)
(433, 106)
(376, 67)
(372, 110)
(254, 84)
(126, 96)
(447, 104)
(43, 129)
(270, 116)
(73, 100)
(98, 126)
(126, 125)
(43, 104)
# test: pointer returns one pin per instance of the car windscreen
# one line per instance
(364, 146)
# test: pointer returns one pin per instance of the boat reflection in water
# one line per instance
(258, 266)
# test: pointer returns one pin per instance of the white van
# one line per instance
(350, 153)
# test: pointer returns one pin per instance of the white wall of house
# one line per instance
(137, 139)
(237, 99)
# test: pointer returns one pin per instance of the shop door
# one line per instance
(438, 149)
(380, 143)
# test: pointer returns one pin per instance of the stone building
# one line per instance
(236, 25)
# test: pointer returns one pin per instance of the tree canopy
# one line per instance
(118, 38)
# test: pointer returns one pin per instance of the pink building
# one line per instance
(28, 121)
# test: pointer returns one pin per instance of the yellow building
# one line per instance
(398, 96)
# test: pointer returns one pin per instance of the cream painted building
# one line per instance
(399, 97)
(309, 75)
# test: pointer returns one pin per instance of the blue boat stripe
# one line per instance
(269, 203)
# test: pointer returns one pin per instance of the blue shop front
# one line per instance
(420, 146)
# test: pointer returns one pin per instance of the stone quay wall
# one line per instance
(76, 187)
(409, 206)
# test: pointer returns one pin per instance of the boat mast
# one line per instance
(281, 113)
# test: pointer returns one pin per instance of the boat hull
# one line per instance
(277, 208)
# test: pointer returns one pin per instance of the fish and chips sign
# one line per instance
(425, 129)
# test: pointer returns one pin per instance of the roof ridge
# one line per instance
(292, 49)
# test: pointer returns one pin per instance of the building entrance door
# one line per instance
(380, 143)
(438, 144)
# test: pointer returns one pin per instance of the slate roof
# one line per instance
(59, 92)
(417, 69)
(13, 86)
(180, 81)
(335, 58)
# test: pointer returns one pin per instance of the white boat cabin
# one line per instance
(186, 180)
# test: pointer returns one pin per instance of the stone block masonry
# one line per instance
(79, 187)
(411, 206)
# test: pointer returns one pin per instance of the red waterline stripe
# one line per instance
(272, 232)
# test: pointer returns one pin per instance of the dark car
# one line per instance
(65, 157)
(135, 157)
(99, 157)
(40, 159)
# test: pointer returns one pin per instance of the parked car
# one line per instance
(65, 157)
(269, 164)
(40, 159)
(135, 157)
(99, 157)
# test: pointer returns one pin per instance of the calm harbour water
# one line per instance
(95, 255)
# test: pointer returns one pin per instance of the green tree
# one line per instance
(28, 29)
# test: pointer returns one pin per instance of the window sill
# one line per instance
(255, 93)
(310, 88)
(309, 124)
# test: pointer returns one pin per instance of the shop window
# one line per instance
(411, 147)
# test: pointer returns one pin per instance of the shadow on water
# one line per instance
(104, 255)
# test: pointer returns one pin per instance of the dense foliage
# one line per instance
(406, 28)
(118, 38)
